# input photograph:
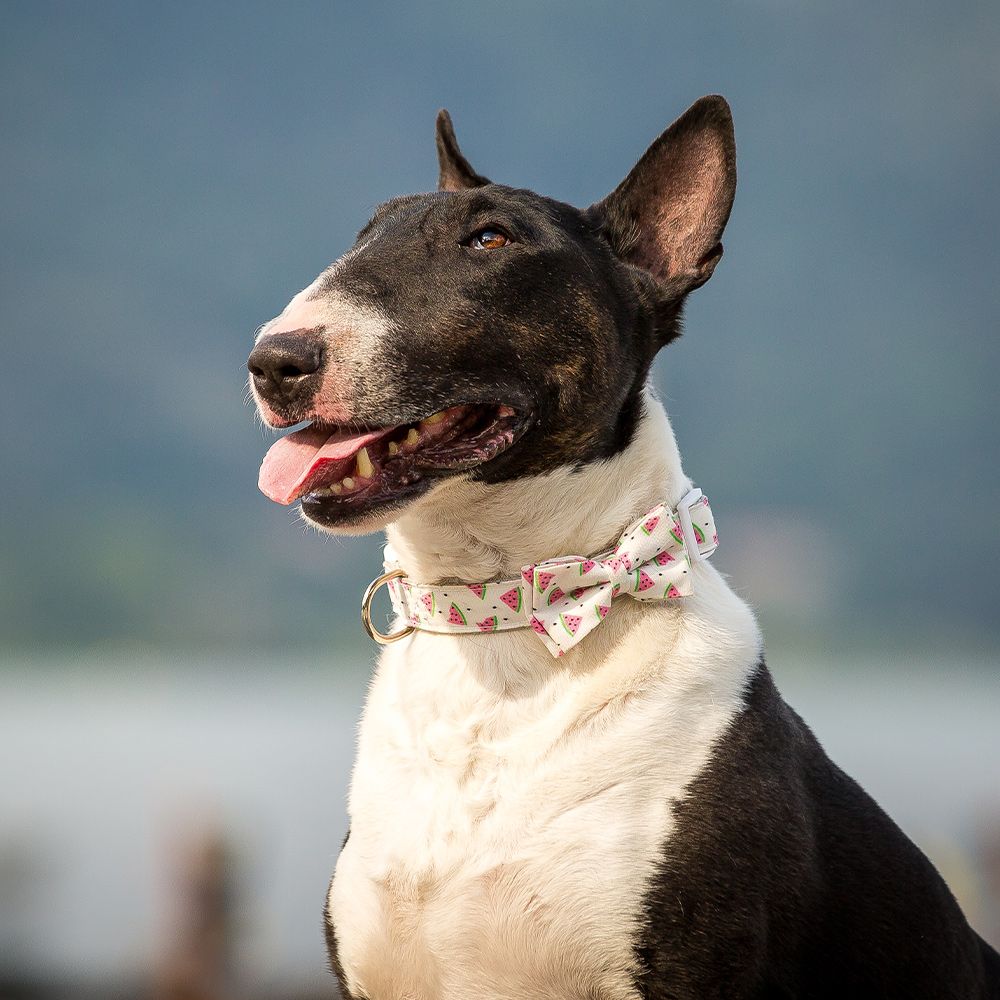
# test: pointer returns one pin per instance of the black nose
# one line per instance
(285, 367)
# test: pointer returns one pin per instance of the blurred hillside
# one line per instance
(173, 173)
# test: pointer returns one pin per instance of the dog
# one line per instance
(643, 816)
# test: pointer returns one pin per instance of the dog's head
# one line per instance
(487, 331)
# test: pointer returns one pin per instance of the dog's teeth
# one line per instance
(393, 448)
(365, 468)
(348, 483)
(336, 489)
(412, 437)
(434, 418)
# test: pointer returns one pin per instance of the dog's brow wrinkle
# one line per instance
(481, 203)
(422, 223)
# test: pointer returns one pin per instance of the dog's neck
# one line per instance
(475, 532)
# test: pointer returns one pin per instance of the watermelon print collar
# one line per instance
(562, 599)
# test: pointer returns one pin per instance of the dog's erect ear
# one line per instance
(455, 172)
(667, 216)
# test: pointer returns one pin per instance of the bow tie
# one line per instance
(564, 599)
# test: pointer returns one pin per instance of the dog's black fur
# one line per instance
(783, 879)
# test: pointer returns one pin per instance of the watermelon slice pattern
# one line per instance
(570, 622)
(563, 600)
(512, 598)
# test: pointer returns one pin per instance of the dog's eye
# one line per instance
(489, 239)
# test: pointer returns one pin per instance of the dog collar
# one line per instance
(566, 598)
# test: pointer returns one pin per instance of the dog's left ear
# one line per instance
(455, 172)
(668, 215)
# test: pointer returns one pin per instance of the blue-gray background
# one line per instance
(173, 173)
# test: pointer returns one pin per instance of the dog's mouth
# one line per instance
(341, 474)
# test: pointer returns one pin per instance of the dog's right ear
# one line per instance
(668, 215)
(455, 172)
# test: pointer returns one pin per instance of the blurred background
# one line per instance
(178, 685)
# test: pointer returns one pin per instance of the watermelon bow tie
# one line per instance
(566, 598)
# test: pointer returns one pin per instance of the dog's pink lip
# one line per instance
(322, 455)
(359, 465)
(397, 470)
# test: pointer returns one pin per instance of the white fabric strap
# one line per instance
(564, 599)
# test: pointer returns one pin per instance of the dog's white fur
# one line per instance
(507, 809)
(354, 332)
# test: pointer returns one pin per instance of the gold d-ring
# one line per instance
(366, 610)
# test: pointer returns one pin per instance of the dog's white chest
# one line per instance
(502, 847)
(483, 895)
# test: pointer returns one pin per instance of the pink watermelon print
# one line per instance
(528, 574)
(488, 624)
(586, 566)
(543, 579)
(672, 591)
(602, 611)
(677, 533)
(699, 535)
(537, 626)
(616, 590)
(663, 558)
(577, 593)
(556, 595)
(642, 581)
(650, 525)
(427, 600)
(479, 589)
(571, 623)
(512, 598)
(455, 616)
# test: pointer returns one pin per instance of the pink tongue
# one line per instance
(291, 463)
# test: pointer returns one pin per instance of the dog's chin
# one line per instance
(342, 518)
(338, 519)
(357, 483)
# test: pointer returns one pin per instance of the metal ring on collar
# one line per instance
(382, 638)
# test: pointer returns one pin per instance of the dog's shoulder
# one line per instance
(782, 877)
